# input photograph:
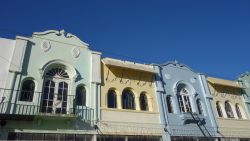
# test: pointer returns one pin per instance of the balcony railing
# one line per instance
(25, 103)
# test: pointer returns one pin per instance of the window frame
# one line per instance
(219, 109)
(169, 101)
(183, 98)
(82, 96)
(112, 92)
(127, 97)
(143, 97)
(228, 106)
(24, 97)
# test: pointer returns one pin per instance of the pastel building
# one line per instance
(244, 79)
(49, 86)
(185, 103)
(230, 109)
(129, 109)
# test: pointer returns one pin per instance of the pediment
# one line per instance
(60, 36)
(177, 64)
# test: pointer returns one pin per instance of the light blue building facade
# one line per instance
(244, 79)
(184, 103)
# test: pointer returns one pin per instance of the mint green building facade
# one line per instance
(49, 87)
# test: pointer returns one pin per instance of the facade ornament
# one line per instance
(45, 45)
(76, 52)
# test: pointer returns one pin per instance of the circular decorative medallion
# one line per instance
(76, 52)
(193, 80)
(45, 46)
(168, 76)
(246, 83)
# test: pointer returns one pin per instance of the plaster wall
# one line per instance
(230, 127)
(129, 121)
(7, 47)
(168, 78)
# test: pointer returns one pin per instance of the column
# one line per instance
(137, 103)
(119, 101)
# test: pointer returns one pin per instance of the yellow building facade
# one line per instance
(128, 101)
(229, 109)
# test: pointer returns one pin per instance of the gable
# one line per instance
(60, 36)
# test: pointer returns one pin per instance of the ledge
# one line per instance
(126, 110)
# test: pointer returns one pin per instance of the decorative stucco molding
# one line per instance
(68, 68)
(176, 64)
(68, 37)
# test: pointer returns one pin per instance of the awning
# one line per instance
(128, 65)
(218, 81)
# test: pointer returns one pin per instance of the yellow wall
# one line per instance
(230, 127)
(118, 78)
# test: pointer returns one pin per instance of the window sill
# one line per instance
(222, 118)
(127, 110)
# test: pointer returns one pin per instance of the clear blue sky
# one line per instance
(210, 36)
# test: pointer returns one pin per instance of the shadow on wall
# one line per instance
(27, 57)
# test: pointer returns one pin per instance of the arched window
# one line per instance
(199, 106)
(229, 110)
(80, 96)
(183, 96)
(238, 111)
(169, 104)
(57, 73)
(55, 91)
(219, 110)
(27, 92)
(112, 99)
(128, 101)
(143, 102)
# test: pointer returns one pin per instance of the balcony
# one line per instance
(23, 105)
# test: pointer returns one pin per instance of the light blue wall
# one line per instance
(244, 79)
(168, 77)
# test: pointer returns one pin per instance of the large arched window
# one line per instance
(238, 111)
(219, 110)
(229, 110)
(55, 91)
(169, 104)
(128, 101)
(112, 99)
(199, 106)
(27, 92)
(80, 96)
(143, 102)
(183, 96)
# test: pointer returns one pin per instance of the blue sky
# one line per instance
(212, 37)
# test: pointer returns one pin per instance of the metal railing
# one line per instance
(16, 102)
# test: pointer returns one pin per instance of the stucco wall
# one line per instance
(6, 51)
(172, 74)
(230, 127)
(119, 79)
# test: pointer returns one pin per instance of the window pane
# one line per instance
(228, 109)
(81, 96)
(128, 100)
(27, 92)
(143, 102)
(111, 99)
(219, 109)
(238, 111)
(169, 104)
(199, 106)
